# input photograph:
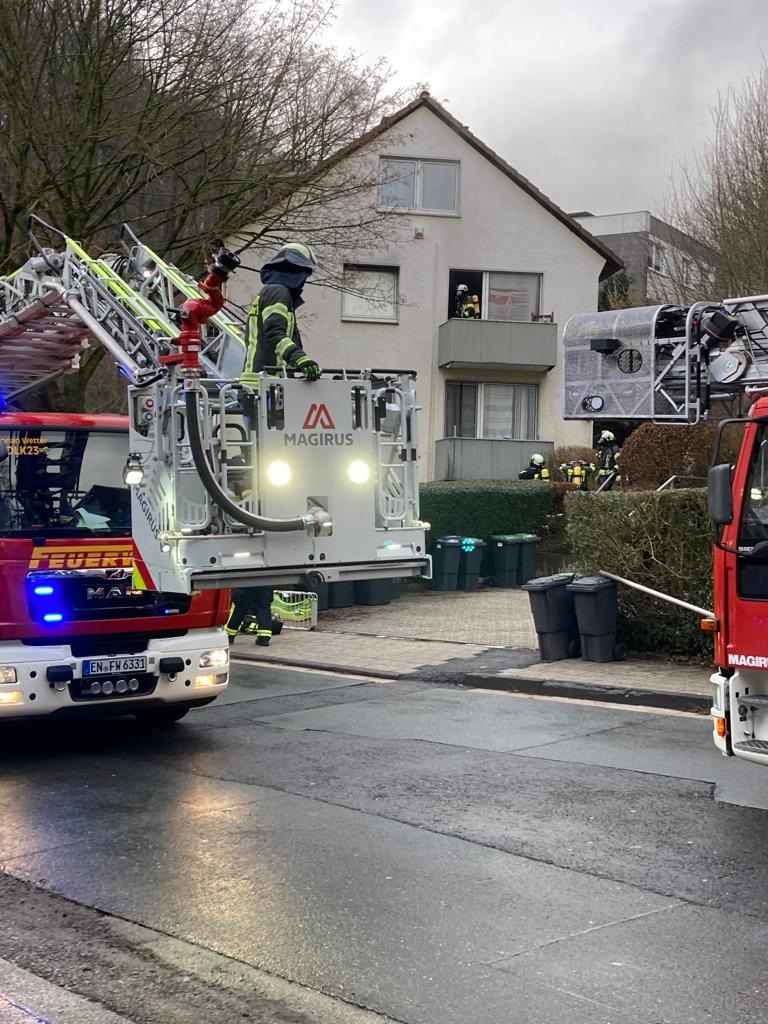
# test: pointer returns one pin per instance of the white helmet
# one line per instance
(462, 288)
(606, 437)
(537, 460)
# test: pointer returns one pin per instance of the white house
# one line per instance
(490, 388)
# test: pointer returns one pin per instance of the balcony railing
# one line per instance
(477, 458)
(497, 344)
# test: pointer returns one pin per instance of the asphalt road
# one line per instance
(318, 849)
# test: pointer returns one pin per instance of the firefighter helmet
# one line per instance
(461, 289)
(606, 437)
(537, 460)
(296, 255)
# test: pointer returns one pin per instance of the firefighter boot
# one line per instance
(263, 636)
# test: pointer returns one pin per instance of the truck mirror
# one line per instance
(719, 494)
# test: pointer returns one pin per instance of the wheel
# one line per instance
(161, 717)
(574, 649)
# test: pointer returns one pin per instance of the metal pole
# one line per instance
(662, 597)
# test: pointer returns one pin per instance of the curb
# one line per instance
(669, 701)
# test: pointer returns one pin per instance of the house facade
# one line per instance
(489, 387)
(663, 264)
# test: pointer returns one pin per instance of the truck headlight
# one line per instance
(7, 674)
(214, 659)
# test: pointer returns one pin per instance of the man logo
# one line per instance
(318, 418)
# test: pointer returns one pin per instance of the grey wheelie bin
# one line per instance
(594, 598)
(446, 556)
(554, 616)
(469, 563)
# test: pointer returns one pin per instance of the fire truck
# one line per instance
(119, 537)
(674, 364)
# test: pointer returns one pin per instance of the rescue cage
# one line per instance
(296, 609)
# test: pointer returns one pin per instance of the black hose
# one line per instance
(209, 482)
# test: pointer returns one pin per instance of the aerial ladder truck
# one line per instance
(680, 364)
(276, 483)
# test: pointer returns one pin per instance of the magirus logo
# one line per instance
(318, 418)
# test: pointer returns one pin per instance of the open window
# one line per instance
(502, 295)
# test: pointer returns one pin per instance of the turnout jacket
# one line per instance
(273, 338)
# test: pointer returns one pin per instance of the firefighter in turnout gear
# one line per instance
(249, 603)
(608, 453)
(577, 472)
(467, 306)
(273, 338)
(535, 470)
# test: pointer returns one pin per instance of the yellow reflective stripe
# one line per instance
(282, 347)
(279, 309)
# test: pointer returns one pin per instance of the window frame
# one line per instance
(418, 187)
(377, 268)
(480, 408)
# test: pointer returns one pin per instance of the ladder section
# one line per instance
(165, 287)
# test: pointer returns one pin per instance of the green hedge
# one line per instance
(660, 539)
(477, 508)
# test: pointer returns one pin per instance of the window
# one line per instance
(430, 186)
(657, 259)
(502, 296)
(370, 293)
(498, 412)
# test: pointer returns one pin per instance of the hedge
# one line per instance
(660, 539)
(477, 508)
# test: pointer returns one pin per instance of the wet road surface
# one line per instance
(318, 848)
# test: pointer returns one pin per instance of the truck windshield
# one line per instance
(56, 482)
(754, 516)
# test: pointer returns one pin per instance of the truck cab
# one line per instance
(75, 634)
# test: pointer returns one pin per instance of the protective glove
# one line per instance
(309, 368)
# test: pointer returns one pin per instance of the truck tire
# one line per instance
(159, 718)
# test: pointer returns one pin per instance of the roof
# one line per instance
(424, 99)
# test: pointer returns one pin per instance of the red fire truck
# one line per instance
(74, 633)
(675, 364)
(113, 597)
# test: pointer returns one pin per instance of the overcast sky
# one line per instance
(596, 101)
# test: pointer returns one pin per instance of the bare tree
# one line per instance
(187, 120)
(721, 198)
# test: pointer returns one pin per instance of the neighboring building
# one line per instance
(490, 388)
(661, 263)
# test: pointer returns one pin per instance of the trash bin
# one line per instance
(341, 595)
(321, 589)
(446, 555)
(469, 563)
(554, 616)
(373, 591)
(512, 558)
(396, 589)
(596, 607)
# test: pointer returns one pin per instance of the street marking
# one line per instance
(32, 1014)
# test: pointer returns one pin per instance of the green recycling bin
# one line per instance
(512, 558)
(446, 557)
(469, 563)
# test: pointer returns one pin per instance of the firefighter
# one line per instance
(273, 337)
(608, 454)
(467, 306)
(535, 470)
(251, 603)
(577, 472)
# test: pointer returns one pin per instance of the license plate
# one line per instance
(110, 666)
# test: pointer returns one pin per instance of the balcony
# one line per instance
(497, 345)
(476, 458)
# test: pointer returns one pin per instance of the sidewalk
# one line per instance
(484, 639)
